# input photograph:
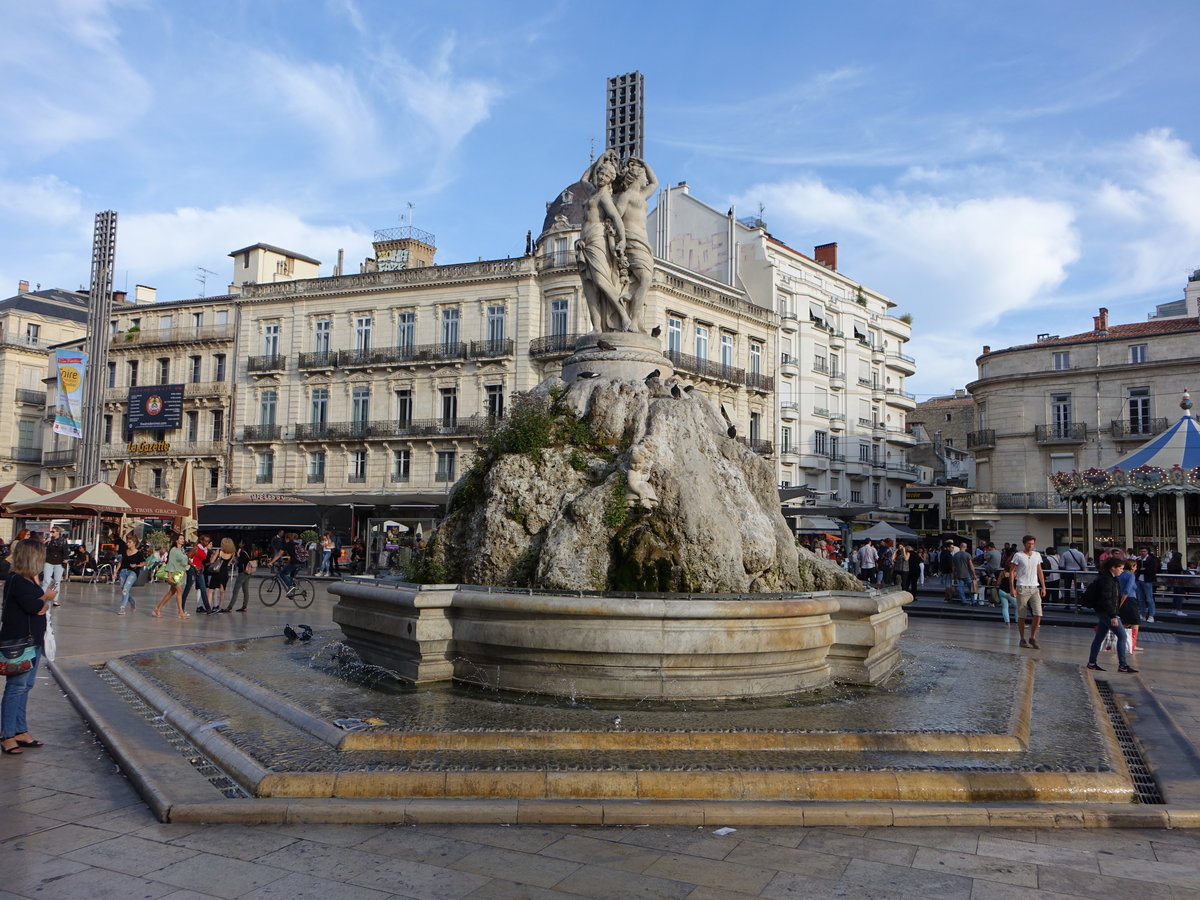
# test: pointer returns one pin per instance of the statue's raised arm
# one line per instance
(635, 186)
(601, 248)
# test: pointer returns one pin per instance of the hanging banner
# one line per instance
(68, 415)
(157, 406)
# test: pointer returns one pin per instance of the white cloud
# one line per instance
(66, 76)
(164, 248)
(44, 198)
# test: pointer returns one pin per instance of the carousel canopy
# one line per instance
(1179, 446)
(1166, 464)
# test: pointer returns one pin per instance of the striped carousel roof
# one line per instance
(1179, 445)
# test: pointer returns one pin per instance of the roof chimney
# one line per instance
(1101, 321)
(826, 255)
(144, 294)
(986, 350)
(22, 287)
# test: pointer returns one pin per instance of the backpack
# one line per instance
(301, 553)
(1091, 596)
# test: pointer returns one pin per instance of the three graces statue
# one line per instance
(613, 250)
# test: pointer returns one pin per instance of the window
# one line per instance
(835, 364)
(755, 358)
(113, 328)
(360, 404)
(785, 439)
(1062, 360)
(495, 401)
(156, 480)
(363, 326)
(445, 465)
(165, 322)
(322, 330)
(218, 425)
(195, 370)
(222, 318)
(1139, 411)
(164, 371)
(404, 408)
(495, 324)
(316, 466)
(864, 451)
(271, 339)
(112, 374)
(266, 408)
(133, 373)
(702, 342)
(214, 474)
(449, 407)
(674, 335)
(406, 330)
(855, 496)
(266, 467)
(192, 426)
(559, 319)
(108, 431)
(821, 442)
(1139, 353)
(755, 427)
(198, 319)
(25, 432)
(820, 401)
(449, 326)
(358, 465)
(401, 464)
(727, 350)
(1060, 414)
(319, 413)
(32, 333)
(219, 367)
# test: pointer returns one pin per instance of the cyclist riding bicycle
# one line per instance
(289, 544)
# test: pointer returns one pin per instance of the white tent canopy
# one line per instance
(881, 530)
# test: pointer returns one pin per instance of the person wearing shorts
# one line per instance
(1026, 566)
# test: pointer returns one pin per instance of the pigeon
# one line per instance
(676, 392)
(605, 345)
(588, 375)
(656, 331)
(653, 374)
(732, 431)
(290, 633)
(306, 633)
(304, 627)
(689, 388)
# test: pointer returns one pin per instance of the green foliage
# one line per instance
(425, 568)
(470, 487)
(616, 510)
(528, 428)
(158, 540)
(906, 318)
(577, 460)
(308, 535)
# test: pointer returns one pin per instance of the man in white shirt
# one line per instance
(868, 562)
(1073, 564)
(1031, 588)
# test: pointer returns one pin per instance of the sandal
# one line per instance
(32, 743)
(156, 614)
(14, 750)
(185, 615)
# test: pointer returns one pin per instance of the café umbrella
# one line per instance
(98, 499)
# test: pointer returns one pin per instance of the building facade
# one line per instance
(1070, 403)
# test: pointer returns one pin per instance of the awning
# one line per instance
(816, 523)
(258, 511)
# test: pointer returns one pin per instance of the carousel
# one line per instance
(1150, 496)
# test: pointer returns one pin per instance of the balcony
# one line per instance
(1061, 433)
(761, 447)
(837, 422)
(273, 363)
(404, 354)
(553, 345)
(59, 457)
(206, 389)
(756, 381)
(900, 361)
(1136, 429)
(789, 322)
(789, 411)
(261, 432)
(704, 368)
(27, 395)
(788, 364)
(820, 365)
(984, 439)
(492, 349)
(987, 501)
(316, 477)
(900, 399)
(26, 454)
(317, 359)
(900, 436)
(356, 479)
(411, 428)
(150, 337)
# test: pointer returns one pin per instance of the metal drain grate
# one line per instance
(1143, 781)
(218, 779)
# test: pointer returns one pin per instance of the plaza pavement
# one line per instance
(73, 827)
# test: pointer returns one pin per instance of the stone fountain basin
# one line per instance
(626, 647)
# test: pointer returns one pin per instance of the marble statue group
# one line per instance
(615, 259)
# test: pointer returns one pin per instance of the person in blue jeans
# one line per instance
(131, 561)
(24, 616)
(1104, 594)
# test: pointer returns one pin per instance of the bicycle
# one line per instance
(270, 589)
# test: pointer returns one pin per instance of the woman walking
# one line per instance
(129, 561)
(25, 606)
(175, 568)
(326, 554)
(243, 567)
(219, 566)
(1104, 596)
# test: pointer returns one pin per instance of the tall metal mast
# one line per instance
(100, 299)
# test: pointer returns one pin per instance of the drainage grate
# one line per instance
(1156, 637)
(231, 789)
(1143, 781)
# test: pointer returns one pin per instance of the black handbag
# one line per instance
(17, 656)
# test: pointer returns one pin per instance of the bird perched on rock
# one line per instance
(605, 345)
(676, 392)
(731, 431)
(656, 331)
(290, 633)
(653, 374)
(689, 388)
(588, 375)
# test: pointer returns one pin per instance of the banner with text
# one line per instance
(68, 414)
(155, 406)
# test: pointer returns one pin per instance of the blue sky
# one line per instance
(1000, 169)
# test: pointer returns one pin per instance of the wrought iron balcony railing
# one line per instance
(982, 439)
(553, 345)
(261, 432)
(272, 363)
(1060, 433)
(1137, 429)
(26, 395)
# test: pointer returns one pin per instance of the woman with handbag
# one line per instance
(244, 566)
(22, 626)
(220, 564)
(173, 572)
